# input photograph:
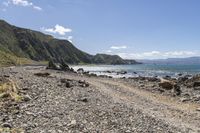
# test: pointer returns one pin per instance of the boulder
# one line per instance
(153, 79)
(123, 72)
(196, 84)
(166, 85)
(80, 70)
(167, 77)
(176, 90)
(180, 74)
(68, 84)
(108, 72)
(183, 79)
(52, 65)
(64, 66)
(83, 83)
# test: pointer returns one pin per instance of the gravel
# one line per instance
(86, 105)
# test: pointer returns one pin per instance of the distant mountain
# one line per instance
(189, 60)
(111, 59)
(24, 43)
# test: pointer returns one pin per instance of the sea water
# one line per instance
(148, 70)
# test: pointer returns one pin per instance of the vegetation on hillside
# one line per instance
(18, 45)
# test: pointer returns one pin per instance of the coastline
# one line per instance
(73, 102)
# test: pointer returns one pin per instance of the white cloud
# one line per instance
(24, 3)
(69, 38)
(159, 54)
(118, 47)
(108, 51)
(37, 8)
(57, 30)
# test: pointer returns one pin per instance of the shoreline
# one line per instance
(73, 102)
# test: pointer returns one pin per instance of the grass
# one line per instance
(9, 89)
(7, 59)
(14, 130)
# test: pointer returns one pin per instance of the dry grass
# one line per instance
(9, 89)
(14, 130)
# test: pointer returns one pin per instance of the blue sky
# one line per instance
(130, 28)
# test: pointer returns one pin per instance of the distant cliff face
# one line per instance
(37, 46)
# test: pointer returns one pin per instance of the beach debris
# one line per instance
(45, 74)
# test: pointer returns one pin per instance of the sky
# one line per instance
(133, 29)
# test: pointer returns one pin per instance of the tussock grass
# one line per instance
(9, 89)
(14, 130)
(7, 59)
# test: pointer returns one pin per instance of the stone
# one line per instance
(73, 122)
(85, 100)
(25, 88)
(176, 90)
(166, 85)
(52, 65)
(197, 88)
(6, 76)
(180, 74)
(167, 77)
(80, 70)
(198, 109)
(65, 80)
(196, 84)
(26, 98)
(42, 74)
(64, 66)
(6, 125)
(68, 84)
(153, 79)
(123, 72)
(182, 79)
(184, 99)
(4, 95)
(108, 72)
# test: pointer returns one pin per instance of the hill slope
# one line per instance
(25, 43)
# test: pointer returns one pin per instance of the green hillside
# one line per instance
(27, 44)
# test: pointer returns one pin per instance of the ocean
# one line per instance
(148, 70)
